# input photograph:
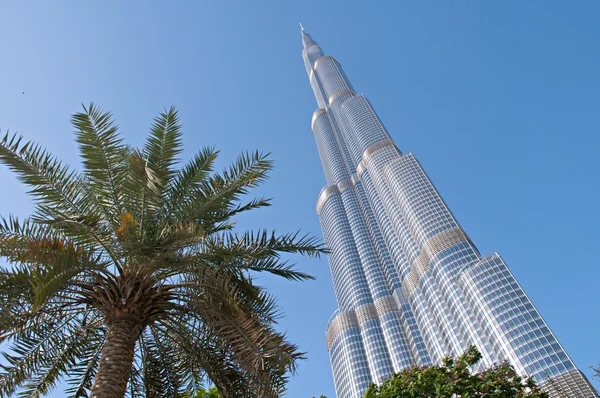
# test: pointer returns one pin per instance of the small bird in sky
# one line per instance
(23, 92)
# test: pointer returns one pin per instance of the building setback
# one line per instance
(411, 286)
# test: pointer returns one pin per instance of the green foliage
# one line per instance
(210, 393)
(132, 236)
(454, 379)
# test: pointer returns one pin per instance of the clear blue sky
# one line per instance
(500, 101)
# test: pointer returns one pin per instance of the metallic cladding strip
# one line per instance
(385, 304)
(326, 193)
(370, 151)
(431, 248)
(466, 272)
(330, 190)
(333, 96)
(409, 284)
(357, 317)
(315, 115)
(360, 168)
(344, 184)
(365, 312)
(375, 147)
(343, 321)
(323, 58)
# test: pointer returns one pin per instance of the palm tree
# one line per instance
(129, 278)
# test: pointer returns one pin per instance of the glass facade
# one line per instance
(411, 286)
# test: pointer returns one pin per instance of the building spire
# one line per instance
(311, 51)
(307, 40)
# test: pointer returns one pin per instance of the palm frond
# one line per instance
(55, 260)
(104, 156)
(16, 300)
(20, 240)
(206, 354)
(221, 191)
(182, 188)
(164, 373)
(143, 191)
(49, 280)
(53, 184)
(15, 236)
(163, 145)
(35, 352)
(258, 244)
(63, 358)
(278, 267)
(222, 218)
(136, 386)
(260, 251)
(81, 375)
(254, 344)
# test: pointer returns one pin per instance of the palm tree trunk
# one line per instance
(117, 357)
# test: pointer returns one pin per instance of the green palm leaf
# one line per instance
(103, 156)
(62, 360)
(81, 375)
(221, 191)
(163, 145)
(186, 182)
(53, 185)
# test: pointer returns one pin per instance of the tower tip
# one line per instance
(301, 27)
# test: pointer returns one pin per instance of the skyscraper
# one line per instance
(411, 286)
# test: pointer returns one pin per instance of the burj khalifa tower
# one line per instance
(411, 286)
